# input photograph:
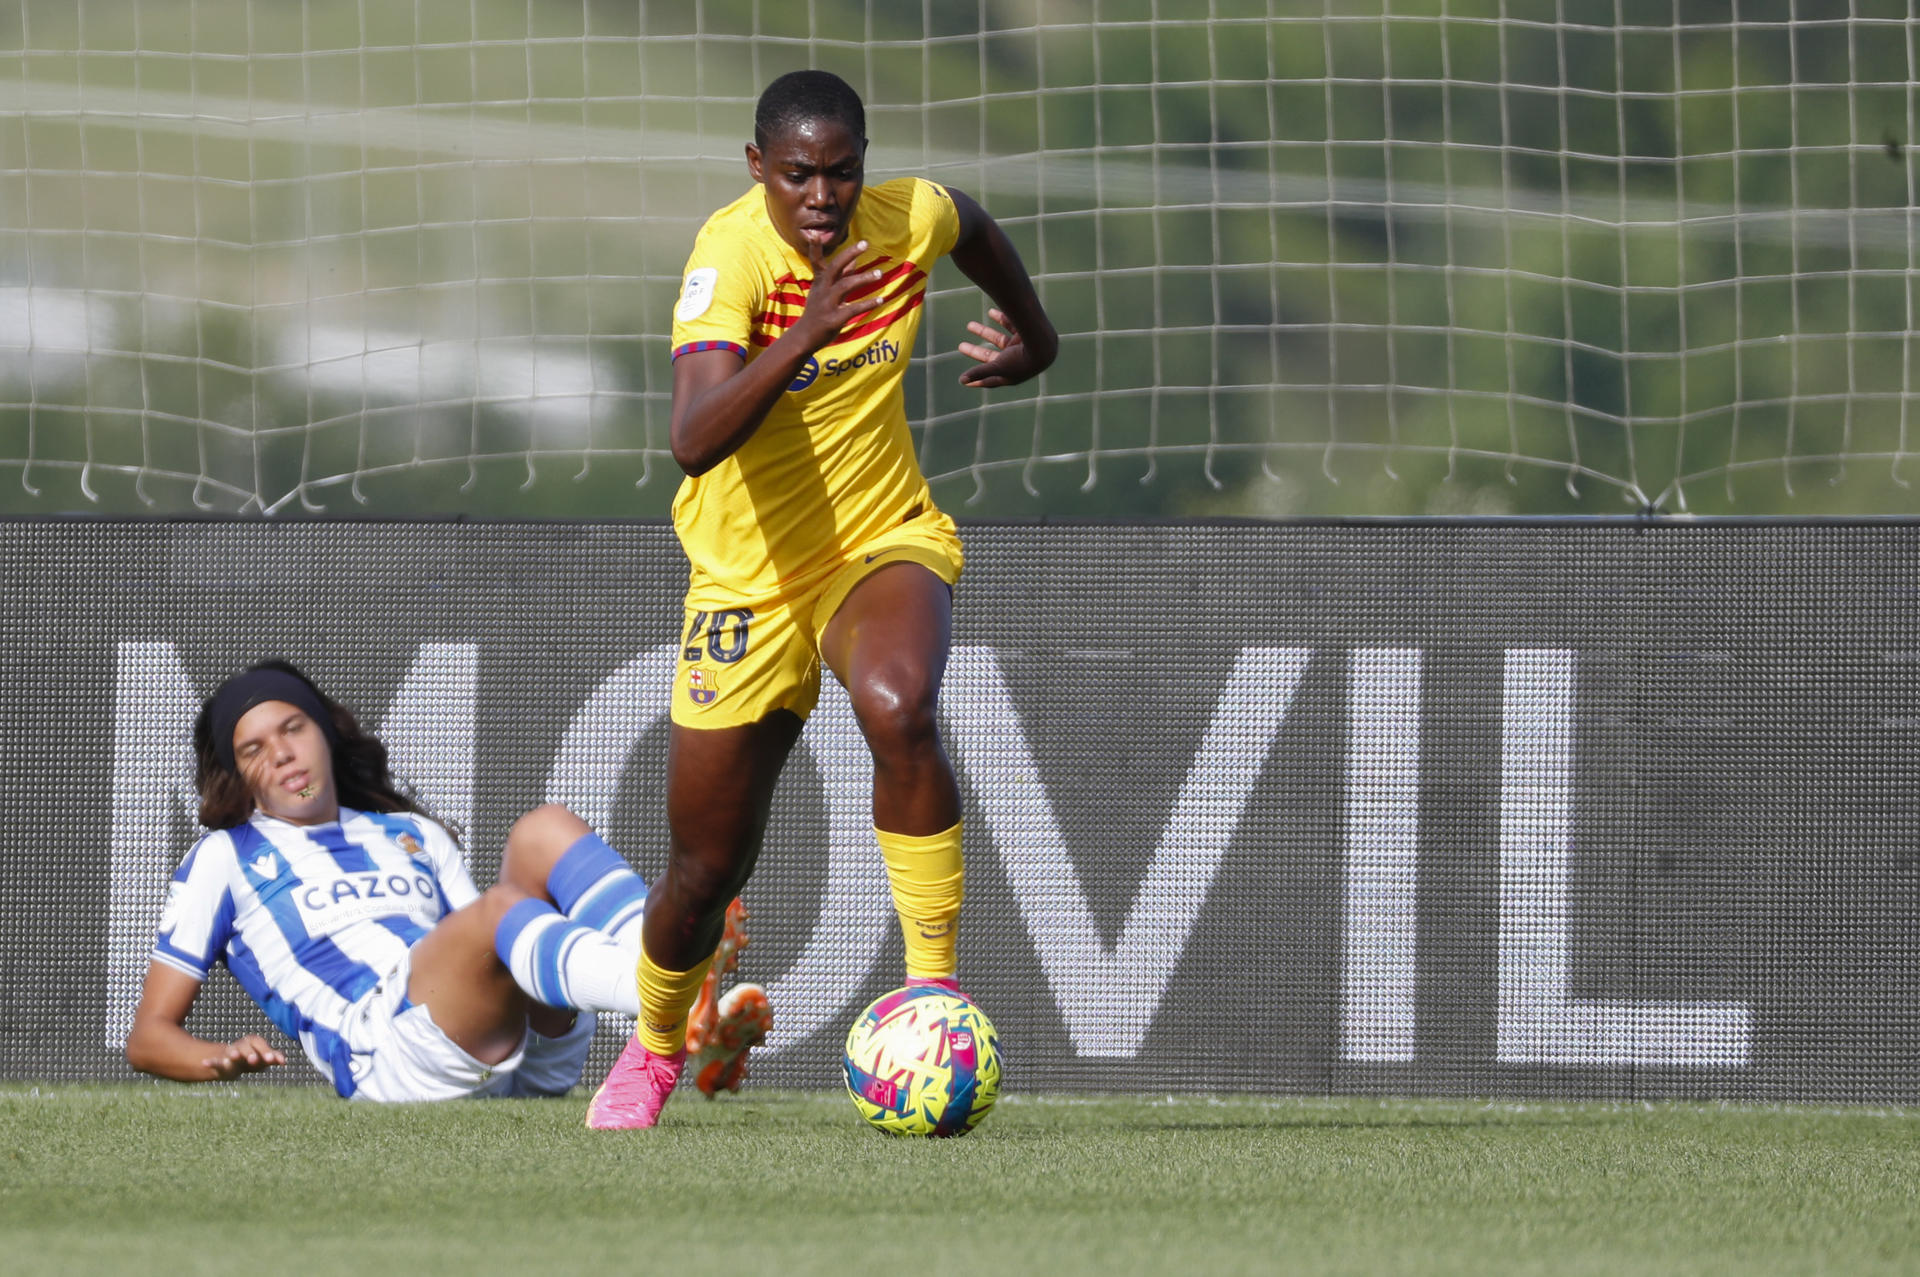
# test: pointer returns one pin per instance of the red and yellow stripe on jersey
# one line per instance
(832, 466)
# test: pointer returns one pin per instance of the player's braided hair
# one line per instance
(802, 97)
(362, 776)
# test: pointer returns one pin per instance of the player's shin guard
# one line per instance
(928, 883)
(595, 886)
(564, 964)
(665, 998)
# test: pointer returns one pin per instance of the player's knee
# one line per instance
(537, 840)
(708, 882)
(549, 825)
(897, 717)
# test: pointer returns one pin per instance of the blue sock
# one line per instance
(564, 964)
(593, 885)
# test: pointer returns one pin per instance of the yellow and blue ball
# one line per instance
(923, 1061)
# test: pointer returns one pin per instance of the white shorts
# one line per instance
(412, 1059)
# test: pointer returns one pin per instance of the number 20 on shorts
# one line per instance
(725, 632)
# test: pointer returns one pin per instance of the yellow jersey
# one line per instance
(832, 466)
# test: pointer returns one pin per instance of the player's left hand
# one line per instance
(247, 1054)
(1004, 359)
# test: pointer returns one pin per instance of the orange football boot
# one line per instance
(721, 1030)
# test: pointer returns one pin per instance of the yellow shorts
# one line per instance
(740, 662)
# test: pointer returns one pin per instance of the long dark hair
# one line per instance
(362, 777)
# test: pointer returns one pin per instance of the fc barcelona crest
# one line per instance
(701, 685)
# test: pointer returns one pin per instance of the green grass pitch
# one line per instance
(177, 1180)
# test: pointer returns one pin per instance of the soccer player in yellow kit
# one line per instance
(812, 535)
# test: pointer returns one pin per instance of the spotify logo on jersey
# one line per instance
(809, 371)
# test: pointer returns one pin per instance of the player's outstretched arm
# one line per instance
(160, 1044)
(1029, 343)
(719, 400)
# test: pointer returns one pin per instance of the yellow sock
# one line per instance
(665, 998)
(928, 883)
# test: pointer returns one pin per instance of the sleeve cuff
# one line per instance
(179, 962)
(695, 347)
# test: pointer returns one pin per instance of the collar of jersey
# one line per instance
(262, 818)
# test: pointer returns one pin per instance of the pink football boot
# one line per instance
(636, 1089)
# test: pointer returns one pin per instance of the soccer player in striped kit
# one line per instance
(812, 534)
(349, 916)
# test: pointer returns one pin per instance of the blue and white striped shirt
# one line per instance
(311, 918)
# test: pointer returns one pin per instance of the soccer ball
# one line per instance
(923, 1061)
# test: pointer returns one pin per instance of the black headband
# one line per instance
(256, 687)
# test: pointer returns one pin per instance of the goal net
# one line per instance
(1359, 256)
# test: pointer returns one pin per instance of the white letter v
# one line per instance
(1108, 997)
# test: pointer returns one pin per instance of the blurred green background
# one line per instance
(1406, 257)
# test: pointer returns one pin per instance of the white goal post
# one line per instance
(1352, 256)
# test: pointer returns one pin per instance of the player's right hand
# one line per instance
(831, 305)
(248, 1054)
